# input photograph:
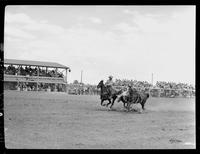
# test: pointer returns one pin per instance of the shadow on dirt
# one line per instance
(122, 110)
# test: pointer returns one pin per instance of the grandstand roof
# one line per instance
(34, 63)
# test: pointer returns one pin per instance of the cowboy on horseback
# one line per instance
(108, 92)
(109, 84)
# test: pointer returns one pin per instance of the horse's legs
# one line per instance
(108, 103)
(124, 102)
(113, 102)
(142, 104)
(102, 102)
(127, 106)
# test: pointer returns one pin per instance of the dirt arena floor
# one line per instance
(42, 120)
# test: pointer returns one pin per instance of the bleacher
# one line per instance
(23, 74)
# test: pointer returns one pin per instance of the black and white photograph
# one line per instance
(99, 77)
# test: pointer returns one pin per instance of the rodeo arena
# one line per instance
(44, 111)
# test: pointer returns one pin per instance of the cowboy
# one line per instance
(127, 94)
(130, 93)
(109, 83)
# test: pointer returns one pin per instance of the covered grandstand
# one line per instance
(35, 75)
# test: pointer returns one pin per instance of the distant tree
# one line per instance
(75, 82)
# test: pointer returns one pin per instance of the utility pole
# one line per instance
(67, 69)
(81, 75)
(152, 78)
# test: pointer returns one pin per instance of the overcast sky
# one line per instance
(128, 42)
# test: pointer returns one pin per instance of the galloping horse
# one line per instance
(134, 97)
(104, 94)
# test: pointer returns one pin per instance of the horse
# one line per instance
(104, 94)
(123, 99)
(133, 97)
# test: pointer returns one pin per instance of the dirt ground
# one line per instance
(42, 120)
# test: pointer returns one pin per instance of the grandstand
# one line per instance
(34, 75)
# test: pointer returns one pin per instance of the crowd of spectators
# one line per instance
(134, 83)
(10, 70)
(159, 84)
(172, 89)
(161, 89)
(31, 71)
(22, 86)
(173, 85)
(83, 89)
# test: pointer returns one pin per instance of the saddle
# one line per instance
(109, 89)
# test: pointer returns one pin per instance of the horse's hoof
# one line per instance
(140, 111)
(109, 109)
(127, 110)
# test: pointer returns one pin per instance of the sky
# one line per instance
(127, 42)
